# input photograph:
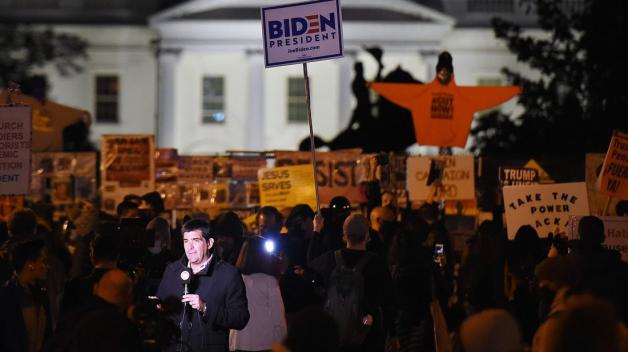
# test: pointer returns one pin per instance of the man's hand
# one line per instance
(195, 302)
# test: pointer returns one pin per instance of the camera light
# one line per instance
(269, 245)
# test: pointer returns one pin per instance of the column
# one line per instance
(166, 84)
(255, 120)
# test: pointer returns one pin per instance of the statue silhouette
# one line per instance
(391, 130)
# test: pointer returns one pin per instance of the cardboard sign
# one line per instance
(195, 169)
(128, 159)
(302, 32)
(518, 176)
(211, 195)
(245, 168)
(616, 231)
(544, 177)
(64, 177)
(597, 200)
(544, 207)
(287, 186)
(336, 172)
(613, 179)
(15, 149)
(458, 179)
(127, 166)
(166, 165)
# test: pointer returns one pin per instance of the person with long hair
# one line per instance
(267, 323)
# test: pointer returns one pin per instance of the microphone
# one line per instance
(186, 277)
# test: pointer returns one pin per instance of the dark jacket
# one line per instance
(378, 292)
(13, 334)
(221, 287)
(95, 326)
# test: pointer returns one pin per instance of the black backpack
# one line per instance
(345, 299)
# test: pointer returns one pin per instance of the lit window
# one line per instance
(297, 107)
(107, 98)
(213, 100)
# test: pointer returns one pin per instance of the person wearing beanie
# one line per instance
(444, 68)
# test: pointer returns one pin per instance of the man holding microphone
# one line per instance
(214, 296)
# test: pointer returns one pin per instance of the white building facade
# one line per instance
(195, 77)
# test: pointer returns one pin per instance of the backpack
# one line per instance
(345, 299)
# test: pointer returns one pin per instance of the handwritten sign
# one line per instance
(15, 149)
(128, 158)
(458, 177)
(613, 179)
(544, 207)
(196, 169)
(127, 166)
(597, 200)
(287, 186)
(302, 32)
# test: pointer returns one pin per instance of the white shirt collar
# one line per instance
(202, 265)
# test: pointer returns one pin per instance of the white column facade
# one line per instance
(166, 131)
(255, 116)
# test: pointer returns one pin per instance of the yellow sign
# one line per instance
(287, 186)
(613, 179)
(544, 177)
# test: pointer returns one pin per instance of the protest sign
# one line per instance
(166, 165)
(127, 166)
(245, 168)
(15, 149)
(598, 201)
(49, 119)
(287, 186)
(613, 179)
(302, 32)
(336, 172)
(211, 195)
(544, 207)
(518, 176)
(544, 177)
(616, 232)
(195, 169)
(64, 177)
(128, 159)
(458, 181)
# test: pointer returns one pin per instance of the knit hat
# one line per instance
(445, 61)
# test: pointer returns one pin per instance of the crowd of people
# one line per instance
(389, 279)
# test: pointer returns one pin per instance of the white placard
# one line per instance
(458, 177)
(544, 207)
(302, 32)
(15, 149)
